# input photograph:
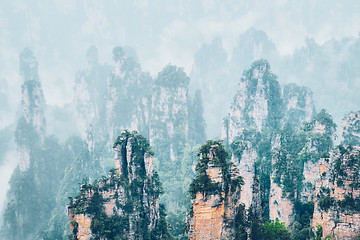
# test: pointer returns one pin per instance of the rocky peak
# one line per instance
(125, 156)
(214, 192)
(208, 74)
(89, 91)
(129, 91)
(257, 104)
(124, 204)
(324, 129)
(252, 45)
(350, 129)
(31, 126)
(278, 144)
(170, 110)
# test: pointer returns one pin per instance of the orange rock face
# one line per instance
(212, 212)
(208, 217)
(83, 222)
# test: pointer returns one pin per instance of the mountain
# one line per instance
(215, 191)
(126, 203)
(292, 172)
(34, 183)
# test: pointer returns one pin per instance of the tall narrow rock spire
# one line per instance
(31, 126)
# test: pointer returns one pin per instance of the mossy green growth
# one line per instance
(172, 77)
(136, 193)
(214, 154)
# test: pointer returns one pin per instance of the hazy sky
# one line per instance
(161, 31)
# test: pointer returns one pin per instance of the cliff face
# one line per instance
(215, 192)
(128, 96)
(278, 145)
(34, 184)
(159, 109)
(259, 111)
(299, 106)
(89, 92)
(169, 133)
(350, 129)
(208, 74)
(30, 130)
(124, 204)
(257, 104)
(337, 188)
(284, 152)
(337, 205)
(296, 168)
(169, 121)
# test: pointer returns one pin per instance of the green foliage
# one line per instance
(129, 191)
(347, 167)
(326, 202)
(304, 212)
(172, 77)
(241, 224)
(349, 203)
(319, 232)
(270, 231)
(301, 228)
(325, 119)
(202, 183)
(75, 226)
(32, 193)
(214, 153)
(196, 120)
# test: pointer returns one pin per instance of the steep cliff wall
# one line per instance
(257, 104)
(215, 192)
(337, 191)
(89, 92)
(350, 129)
(35, 182)
(176, 126)
(128, 101)
(31, 126)
(256, 114)
(277, 141)
(299, 105)
(169, 119)
(285, 159)
(124, 204)
(337, 207)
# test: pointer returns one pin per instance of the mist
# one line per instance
(206, 44)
